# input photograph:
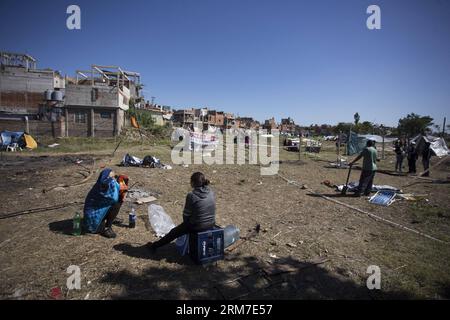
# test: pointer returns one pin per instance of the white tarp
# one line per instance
(376, 138)
(196, 140)
(437, 144)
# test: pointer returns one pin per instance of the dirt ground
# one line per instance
(324, 247)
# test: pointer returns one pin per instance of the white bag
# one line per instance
(159, 220)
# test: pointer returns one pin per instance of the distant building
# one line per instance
(288, 126)
(184, 117)
(248, 123)
(270, 124)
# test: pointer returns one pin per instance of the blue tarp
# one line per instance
(8, 137)
(355, 144)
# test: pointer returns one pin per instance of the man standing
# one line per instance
(412, 157)
(369, 155)
(400, 154)
(426, 156)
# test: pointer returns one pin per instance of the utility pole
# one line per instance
(300, 146)
(443, 127)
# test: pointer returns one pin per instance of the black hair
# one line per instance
(370, 143)
(198, 180)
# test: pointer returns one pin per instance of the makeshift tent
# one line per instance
(10, 137)
(437, 145)
(357, 142)
(30, 143)
(22, 139)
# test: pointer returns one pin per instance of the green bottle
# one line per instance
(77, 224)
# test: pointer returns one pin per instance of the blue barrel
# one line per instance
(230, 235)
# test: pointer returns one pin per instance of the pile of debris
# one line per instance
(147, 162)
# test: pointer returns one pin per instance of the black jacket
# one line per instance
(200, 208)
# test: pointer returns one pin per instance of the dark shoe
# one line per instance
(109, 233)
(118, 221)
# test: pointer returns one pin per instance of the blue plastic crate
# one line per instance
(206, 246)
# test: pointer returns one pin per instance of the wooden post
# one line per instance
(382, 149)
(27, 125)
(338, 161)
(91, 123)
(348, 140)
(66, 116)
(299, 146)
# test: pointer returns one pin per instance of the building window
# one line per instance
(105, 115)
(80, 117)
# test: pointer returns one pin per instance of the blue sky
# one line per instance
(315, 61)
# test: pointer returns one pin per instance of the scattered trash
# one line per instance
(273, 256)
(56, 293)
(53, 145)
(87, 296)
(147, 162)
(145, 200)
(383, 198)
(411, 197)
(131, 161)
(291, 245)
(231, 235)
(18, 293)
(159, 220)
(137, 194)
(352, 186)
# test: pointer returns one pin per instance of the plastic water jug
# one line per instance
(231, 235)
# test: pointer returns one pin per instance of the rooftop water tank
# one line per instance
(48, 95)
(57, 96)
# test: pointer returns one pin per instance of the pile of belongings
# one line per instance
(13, 141)
(147, 162)
(352, 186)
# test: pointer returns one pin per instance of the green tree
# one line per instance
(366, 127)
(343, 126)
(413, 124)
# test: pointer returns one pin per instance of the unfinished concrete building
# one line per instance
(24, 92)
(42, 102)
(96, 101)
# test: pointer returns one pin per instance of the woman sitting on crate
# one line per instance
(199, 212)
(103, 203)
